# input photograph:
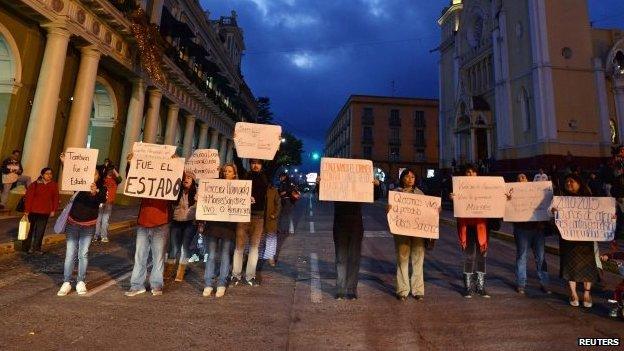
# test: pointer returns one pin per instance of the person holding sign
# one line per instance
(182, 227)
(111, 181)
(42, 202)
(473, 239)
(578, 260)
(216, 232)
(80, 229)
(529, 235)
(409, 247)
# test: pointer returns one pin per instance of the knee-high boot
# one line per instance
(481, 285)
(467, 285)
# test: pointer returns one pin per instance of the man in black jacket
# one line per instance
(12, 175)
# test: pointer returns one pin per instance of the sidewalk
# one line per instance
(122, 217)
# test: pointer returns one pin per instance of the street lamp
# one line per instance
(283, 140)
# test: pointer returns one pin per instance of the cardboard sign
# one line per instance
(347, 180)
(224, 200)
(530, 202)
(204, 164)
(153, 150)
(79, 169)
(154, 177)
(259, 141)
(585, 218)
(479, 197)
(414, 215)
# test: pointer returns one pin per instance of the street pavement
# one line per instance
(294, 308)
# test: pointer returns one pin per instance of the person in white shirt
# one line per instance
(541, 176)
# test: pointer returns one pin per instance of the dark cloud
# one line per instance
(308, 56)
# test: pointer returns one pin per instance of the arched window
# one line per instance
(525, 110)
(618, 63)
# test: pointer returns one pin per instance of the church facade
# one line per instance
(525, 84)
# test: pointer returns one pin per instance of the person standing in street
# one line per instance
(182, 227)
(79, 230)
(271, 220)
(42, 202)
(408, 247)
(152, 232)
(286, 189)
(215, 233)
(12, 175)
(251, 231)
(111, 181)
(529, 235)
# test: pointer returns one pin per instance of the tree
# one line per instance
(265, 115)
(289, 153)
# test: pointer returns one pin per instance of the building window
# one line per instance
(395, 135)
(367, 116)
(419, 119)
(419, 138)
(367, 152)
(367, 134)
(394, 154)
(420, 155)
(395, 118)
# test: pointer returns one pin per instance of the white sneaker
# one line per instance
(135, 292)
(220, 291)
(207, 291)
(104, 240)
(81, 288)
(64, 290)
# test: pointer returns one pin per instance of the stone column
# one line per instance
(172, 124)
(38, 140)
(150, 128)
(619, 109)
(133, 123)
(80, 113)
(203, 136)
(473, 146)
(189, 135)
(214, 139)
(222, 148)
(230, 151)
(603, 105)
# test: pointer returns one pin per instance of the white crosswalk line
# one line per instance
(316, 295)
(312, 227)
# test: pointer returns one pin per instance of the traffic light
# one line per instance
(315, 156)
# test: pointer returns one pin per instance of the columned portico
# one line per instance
(223, 149)
(150, 128)
(133, 121)
(80, 113)
(172, 124)
(230, 151)
(214, 139)
(203, 136)
(189, 134)
(38, 141)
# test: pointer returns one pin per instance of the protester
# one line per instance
(152, 232)
(182, 227)
(473, 239)
(595, 185)
(530, 235)
(408, 247)
(12, 175)
(578, 261)
(286, 189)
(41, 203)
(541, 176)
(617, 301)
(271, 219)
(111, 181)
(215, 232)
(251, 231)
(80, 229)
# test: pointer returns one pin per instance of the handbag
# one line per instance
(61, 221)
(24, 228)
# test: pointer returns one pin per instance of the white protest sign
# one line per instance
(204, 164)
(585, 218)
(479, 197)
(153, 173)
(254, 140)
(529, 202)
(414, 215)
(79, 169)
(224, 200)
(348, 180)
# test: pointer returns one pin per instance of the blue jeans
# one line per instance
(154, 240)
(181, 236)
(78, 241)
(211, 244)
(101, 228)
(530, 238)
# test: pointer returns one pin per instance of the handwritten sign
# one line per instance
(204, 164)
(224, 200)
(254, 140)
(79, 169)
(530, 202)
(153, 173)
(479, 197)
(414, 215)
(585, 218)
(347, 180)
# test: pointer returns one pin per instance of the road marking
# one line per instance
(312, 227)
(108, 284)
(311, 213)
(315, 282)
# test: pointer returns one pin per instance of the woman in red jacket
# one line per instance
(42, 201)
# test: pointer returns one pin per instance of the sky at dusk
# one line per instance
(308, 56)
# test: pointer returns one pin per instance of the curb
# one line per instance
(55, 239)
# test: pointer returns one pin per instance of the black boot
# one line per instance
(481, 285)
(467, 285)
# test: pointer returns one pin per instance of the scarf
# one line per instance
(481, 227)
